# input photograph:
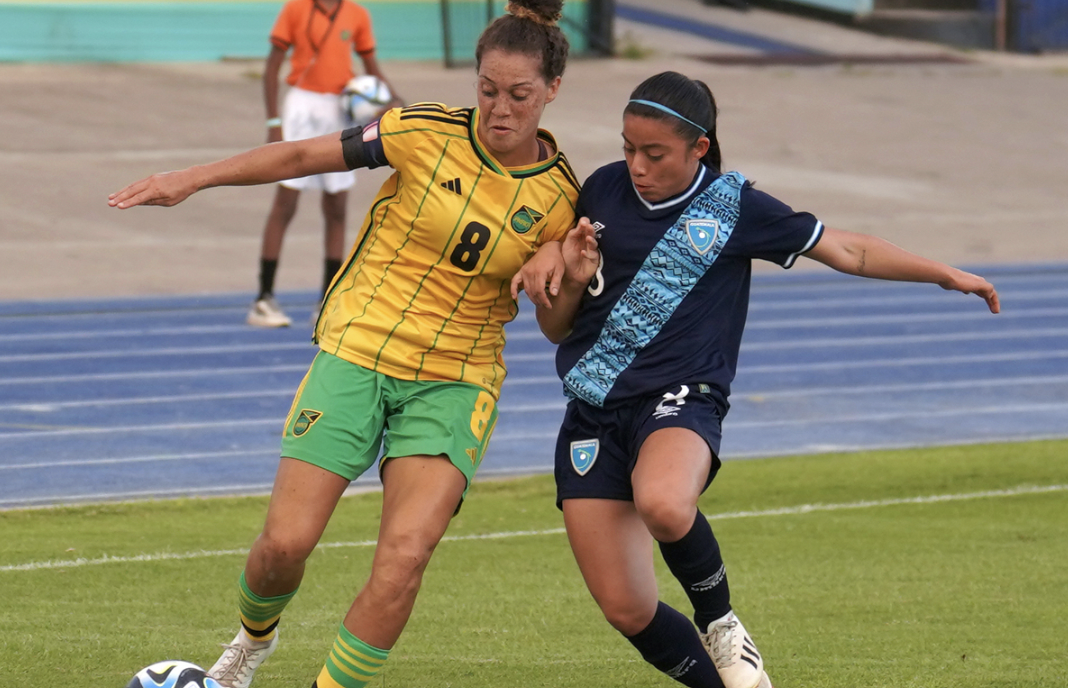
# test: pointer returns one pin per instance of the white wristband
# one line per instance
(274, 122)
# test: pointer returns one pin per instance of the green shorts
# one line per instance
(345, 416)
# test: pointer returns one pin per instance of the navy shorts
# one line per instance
(597, 448)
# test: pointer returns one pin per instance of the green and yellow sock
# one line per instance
(352, 663)
(259, 615)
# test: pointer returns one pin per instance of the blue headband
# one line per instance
(665, 108)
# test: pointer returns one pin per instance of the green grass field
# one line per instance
(845, 568)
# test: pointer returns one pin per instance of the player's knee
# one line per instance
(285, 207)
(626, 617)
(334, 206)
(399, 564)
(667, 517)
(281, 551)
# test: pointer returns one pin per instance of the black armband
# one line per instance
(361, 153)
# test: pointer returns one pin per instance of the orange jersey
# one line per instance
(322, 42)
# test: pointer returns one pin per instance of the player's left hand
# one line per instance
(968, 283)
(581, 254)
(166, 189)
(541, 275)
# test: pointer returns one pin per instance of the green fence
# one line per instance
(199, 31)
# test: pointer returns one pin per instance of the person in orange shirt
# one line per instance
(321, 34)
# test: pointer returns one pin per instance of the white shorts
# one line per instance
(305, 115)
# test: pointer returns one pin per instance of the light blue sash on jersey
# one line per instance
(669, 272)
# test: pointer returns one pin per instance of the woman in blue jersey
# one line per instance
(647, 298)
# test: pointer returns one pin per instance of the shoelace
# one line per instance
(718, 642)
(234, 663)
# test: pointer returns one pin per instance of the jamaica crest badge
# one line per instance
(524, 219)
(305, 420)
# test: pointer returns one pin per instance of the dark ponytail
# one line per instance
(529, 28)
(694, 107)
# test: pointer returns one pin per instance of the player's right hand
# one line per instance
(968, 283)
(166, 189)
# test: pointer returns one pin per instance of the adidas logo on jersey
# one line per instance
(453, 185)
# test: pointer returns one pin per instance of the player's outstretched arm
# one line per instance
(273, 162)
(868, 256)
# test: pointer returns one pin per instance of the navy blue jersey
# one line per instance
(669, 301)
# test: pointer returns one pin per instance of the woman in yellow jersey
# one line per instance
(411, 330)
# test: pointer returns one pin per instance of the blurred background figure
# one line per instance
(321, 34)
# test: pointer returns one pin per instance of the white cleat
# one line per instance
(735, 655)
(266, 312)
(241, 659)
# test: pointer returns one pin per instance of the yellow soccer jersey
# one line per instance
(424, 294)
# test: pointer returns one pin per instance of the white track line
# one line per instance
(170, 351)
(131, 332)
(156, 427)
(740, 394)
(784, 511)
(552, 406)
(149, 458)
(828, 448)
(1008, 299)
(978, 312)
(153, 374)
(904, 415)
(534, 335)
(838, 283)
(883, 340)
(905, 362)
(542, 379)
(849, 321)
(47, 407)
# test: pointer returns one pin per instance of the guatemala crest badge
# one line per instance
(702, 234)
(583, 454)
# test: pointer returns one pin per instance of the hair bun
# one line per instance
(546, 12)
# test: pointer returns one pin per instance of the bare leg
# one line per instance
(615, 555)
(302, 501)
(614, 552)
(282, 211)
(669, 476)
(334, 206)
(420, 495)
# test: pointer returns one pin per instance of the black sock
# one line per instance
(671, 644)
(696, 562)
(330, 268)
(267, 270)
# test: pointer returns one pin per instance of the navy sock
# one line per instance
(696, 563)
(267, 270)
(671, 644)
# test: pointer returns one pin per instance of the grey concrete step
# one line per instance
(959, 5)
(958, 28)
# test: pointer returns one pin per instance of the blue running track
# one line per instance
(157, 397)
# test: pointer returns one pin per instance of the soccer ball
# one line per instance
(363, 99)
(172, 674)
